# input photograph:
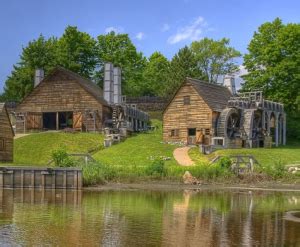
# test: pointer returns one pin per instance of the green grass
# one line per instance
(285, 154)
(132, 158)
(36, 149)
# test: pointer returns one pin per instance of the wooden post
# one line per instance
(65, 179)
(284, 130)
(32, 179)
(57, 121)
(1, 179)
(276, 129)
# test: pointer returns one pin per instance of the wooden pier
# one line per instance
(36, 177)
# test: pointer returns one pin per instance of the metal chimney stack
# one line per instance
(117, 86)
(108, 82)
(229, 82)
(38, 77)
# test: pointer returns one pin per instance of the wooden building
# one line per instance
(6, 136)
(62, 100)
(191, 115)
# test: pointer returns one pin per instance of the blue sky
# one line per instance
(153, 25)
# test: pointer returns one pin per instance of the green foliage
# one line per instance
(182, 65)
(119, 50)
(156, 169)
(61, 158)
(273, 62)
(276, 171)
(224, 162)
(156, 75)
(76, 51)
(214, 58)
(96, 173)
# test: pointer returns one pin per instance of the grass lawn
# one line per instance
(132, 156)
(36, 149)
(266, 157)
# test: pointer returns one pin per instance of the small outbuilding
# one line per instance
(6, 136)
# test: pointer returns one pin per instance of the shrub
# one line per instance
(157, 168)
(96, 173)
(61, 158)
(276, 171)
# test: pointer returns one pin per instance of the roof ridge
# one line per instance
(206, 82)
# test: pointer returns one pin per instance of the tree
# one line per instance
(182, 65)
(273, 62)
(40, 53)
(77, 52)
(215, 58)
(119, 50)
(156, 75)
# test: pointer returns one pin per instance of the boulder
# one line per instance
(188, 178)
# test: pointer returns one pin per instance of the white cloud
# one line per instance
(140, 36)
(165, 27)
(114, 29)
(190, 32)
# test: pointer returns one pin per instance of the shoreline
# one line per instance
(175, 186)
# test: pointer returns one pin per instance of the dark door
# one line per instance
(191, 136)
(49, 120)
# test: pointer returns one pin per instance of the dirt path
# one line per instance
(20, 135)
(181, 155)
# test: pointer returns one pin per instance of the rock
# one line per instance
(188, 178)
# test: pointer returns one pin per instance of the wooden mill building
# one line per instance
(191, 115)
(6, 136)
(212, 114)
(62, 100)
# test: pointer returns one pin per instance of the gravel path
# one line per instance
(182, 156)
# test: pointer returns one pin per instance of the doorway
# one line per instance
(191, 136)
(65, 120)
(49, 120)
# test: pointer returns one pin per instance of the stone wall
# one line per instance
(148, 103)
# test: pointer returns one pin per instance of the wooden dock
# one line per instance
(37, 177)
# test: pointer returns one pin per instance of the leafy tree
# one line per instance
(119, 50)
(182, 65)
(273, 62)
(38, 53)
(215, 58)
(156, 75)
(77, 52)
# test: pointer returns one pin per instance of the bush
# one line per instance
(95, 173)
(157, 168)
(276, 171)
(61, 158)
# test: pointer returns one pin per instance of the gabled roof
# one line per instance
(3, 110)
(86, 84)
(214, 95)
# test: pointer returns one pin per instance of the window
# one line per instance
(192, 132)
(2, 145)
(186, 100)
(175, 132)
(207, 131)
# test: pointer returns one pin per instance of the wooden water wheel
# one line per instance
(229, 123)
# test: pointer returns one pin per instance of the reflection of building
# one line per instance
(211, 114)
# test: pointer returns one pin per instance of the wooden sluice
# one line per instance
(45, 178)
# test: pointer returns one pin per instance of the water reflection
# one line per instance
(125, 218)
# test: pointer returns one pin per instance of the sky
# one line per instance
(154, 25)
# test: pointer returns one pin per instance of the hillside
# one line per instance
(36, 149)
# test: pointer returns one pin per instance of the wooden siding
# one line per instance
(60, 94)
(179, 116)
(6, 137)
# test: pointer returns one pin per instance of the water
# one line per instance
(148, 218)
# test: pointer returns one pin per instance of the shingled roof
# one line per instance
(215, 96)
(87, 84)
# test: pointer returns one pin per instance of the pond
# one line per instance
(31, 217)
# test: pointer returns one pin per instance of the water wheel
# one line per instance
(229, 123)
(252, 123)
